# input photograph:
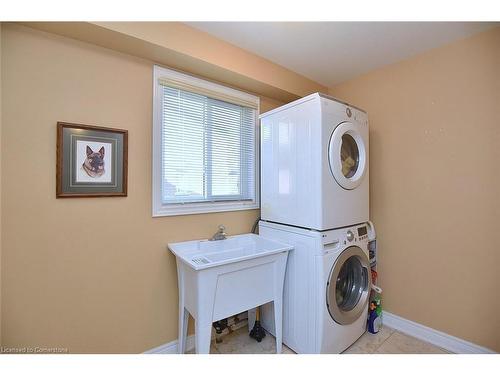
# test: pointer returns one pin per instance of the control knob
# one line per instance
(350, 236)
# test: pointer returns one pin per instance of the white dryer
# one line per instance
(326, 290)
(314, 164)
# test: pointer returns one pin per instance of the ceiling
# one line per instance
(333, 52)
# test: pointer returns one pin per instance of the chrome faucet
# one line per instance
(220, 234)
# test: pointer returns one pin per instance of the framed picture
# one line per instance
(91, 161)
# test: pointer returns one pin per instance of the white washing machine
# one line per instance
(327, 287)
(314, 164)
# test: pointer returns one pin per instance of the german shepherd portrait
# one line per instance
(94, 163)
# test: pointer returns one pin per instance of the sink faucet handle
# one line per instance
(220, 234)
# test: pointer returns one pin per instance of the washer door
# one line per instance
(348, 286)
(347, 155)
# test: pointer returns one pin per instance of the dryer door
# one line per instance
(347, 155)
(348, 287)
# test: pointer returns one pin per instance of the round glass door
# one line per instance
(347, 155)
(348, 286)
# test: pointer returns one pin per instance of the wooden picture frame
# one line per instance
(91, 162)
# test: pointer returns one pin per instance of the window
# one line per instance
(204, 146)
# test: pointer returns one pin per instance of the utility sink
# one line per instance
(205, 254)
(218, 279)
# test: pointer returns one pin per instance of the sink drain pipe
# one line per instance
(219, 326)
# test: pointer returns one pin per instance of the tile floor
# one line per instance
(387, 341)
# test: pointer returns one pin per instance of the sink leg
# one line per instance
(183, 313)
(203, 333)
(183, 326)
(278, 323)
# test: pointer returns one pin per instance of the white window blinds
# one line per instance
(207, 148)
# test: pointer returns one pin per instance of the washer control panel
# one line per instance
(346, 236)
(362, 232)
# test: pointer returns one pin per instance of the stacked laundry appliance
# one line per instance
(315, 196)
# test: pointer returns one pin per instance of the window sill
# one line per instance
(192, 209)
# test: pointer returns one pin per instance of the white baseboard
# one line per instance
(443, 340)
(172, 347)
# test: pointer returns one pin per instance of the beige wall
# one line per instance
(435, 184)
(91, 275)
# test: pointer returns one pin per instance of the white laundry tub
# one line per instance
(218, 279)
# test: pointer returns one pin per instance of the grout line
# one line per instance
(411, 337)
(406, 336)
(383, 342)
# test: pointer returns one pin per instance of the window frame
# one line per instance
(159, 208)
